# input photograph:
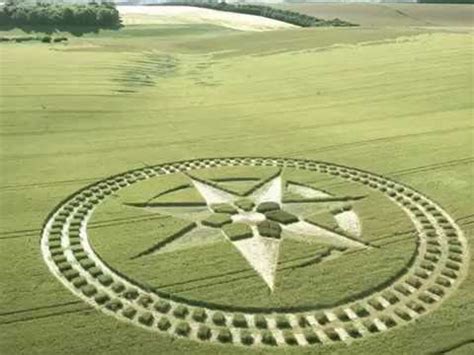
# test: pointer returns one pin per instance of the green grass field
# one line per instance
(394, 100)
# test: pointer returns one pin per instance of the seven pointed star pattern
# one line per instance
(260, 252)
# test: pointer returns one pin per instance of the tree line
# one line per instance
(287, 16)
(102, 14)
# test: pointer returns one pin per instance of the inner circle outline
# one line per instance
(437, 269)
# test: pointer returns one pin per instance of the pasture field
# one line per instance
(392, 100)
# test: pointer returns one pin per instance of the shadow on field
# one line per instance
(77, 31)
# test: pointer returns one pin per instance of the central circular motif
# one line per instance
(250, 218)
(277, 228)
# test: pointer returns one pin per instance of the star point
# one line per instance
(259, 244)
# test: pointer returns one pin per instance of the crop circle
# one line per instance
(436, 270)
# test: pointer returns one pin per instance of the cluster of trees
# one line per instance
(93, 14)
(292, 17)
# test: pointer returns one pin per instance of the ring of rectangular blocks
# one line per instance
(436, 268)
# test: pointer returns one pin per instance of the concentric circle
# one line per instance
(435, 271)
